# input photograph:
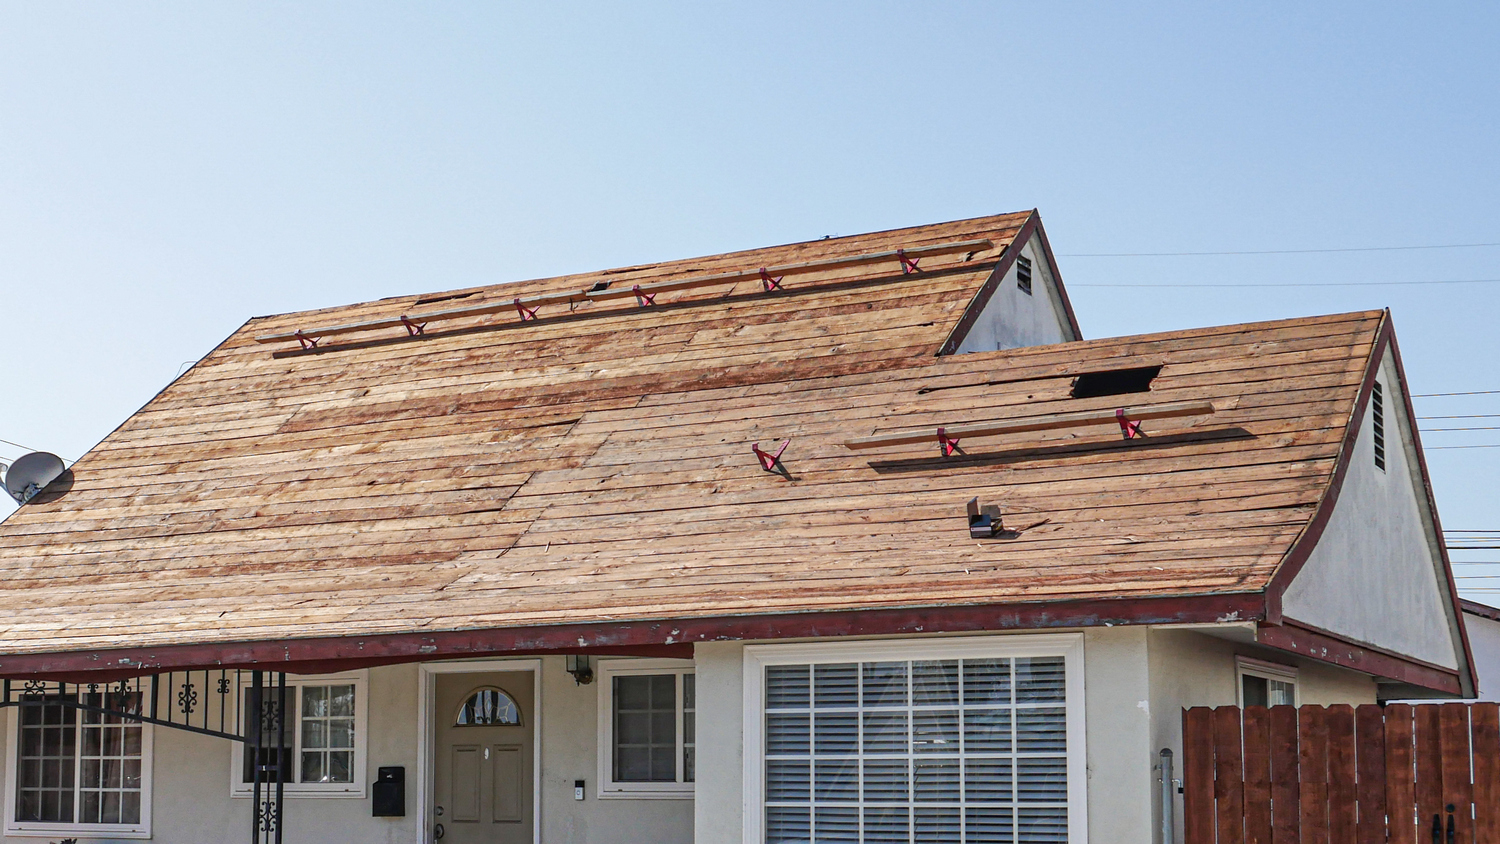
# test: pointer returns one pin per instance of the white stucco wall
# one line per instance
(1484, 642)
(1012, 319)
(1375, 573)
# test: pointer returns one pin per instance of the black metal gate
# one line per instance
(244, 706)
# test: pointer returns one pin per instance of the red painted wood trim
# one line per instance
(631, 636)
(1324, 647)
(981, 300)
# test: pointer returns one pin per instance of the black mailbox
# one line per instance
(389, 793)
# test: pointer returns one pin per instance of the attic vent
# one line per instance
(1114, 382)
(1023, 275)
(1377, 416)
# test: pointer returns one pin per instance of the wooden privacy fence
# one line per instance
(1342, 775)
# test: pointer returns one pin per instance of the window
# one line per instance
(488, 707)
(1265, 683)
(1377, 418)
(972, 740)
(324, 753)
(1023, 275)
(79, 772)
(646, 728)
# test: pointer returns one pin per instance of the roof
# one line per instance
(595, 468)
(1481, 610)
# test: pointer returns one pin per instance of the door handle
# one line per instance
(438, 832)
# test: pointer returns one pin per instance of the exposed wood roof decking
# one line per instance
(597, 466)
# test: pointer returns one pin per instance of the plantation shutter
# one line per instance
(917, 751)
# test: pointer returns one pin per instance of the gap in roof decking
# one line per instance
(1114, 382)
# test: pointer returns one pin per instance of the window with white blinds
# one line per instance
(971, 749)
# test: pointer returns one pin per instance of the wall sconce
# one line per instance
(578, 666)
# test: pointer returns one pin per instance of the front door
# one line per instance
(484, 730)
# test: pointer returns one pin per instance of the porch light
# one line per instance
(578, 666)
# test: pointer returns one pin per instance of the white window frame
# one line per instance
(39, 829)
(357, 789)
(1244, 665)
(1067, 645)
(607, 670)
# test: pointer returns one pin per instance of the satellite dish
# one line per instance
(31, 474)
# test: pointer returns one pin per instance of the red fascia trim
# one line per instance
(1302, 548)
(1302, 641)
(1481, 610)
(981, 300)
(307, 655)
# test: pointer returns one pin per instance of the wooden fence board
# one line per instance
(1428, 749)
(1342, 812)
(1484, 719)
(1285, 793)
(1228, 775)
(1312, 770)
(1453, 725)
(1257, 754)
(1369, 731)
(1400, 783)
(1198, 776)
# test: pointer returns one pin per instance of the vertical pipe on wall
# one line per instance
(1168, 812)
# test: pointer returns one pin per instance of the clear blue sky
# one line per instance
(168, 170)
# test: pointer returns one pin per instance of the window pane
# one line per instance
(645, 727)
(885, 732)
(934, 683)
(1042, 730)
(935, 731)
(986, 681)
(1039, 679)
(837, 824)
(787, 687)
(327, 726)
(884, 684)
(836, 685)
(1280, 693)
(787, 825)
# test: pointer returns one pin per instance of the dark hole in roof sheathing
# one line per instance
(1114, 382)
(428, 300)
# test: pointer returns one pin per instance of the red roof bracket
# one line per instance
(413, 329)
(643, 298)
(526, 313)
(947, 443)
(306, 341)
(908, 265)
(769, 461)
(1130, 430)
(768, 282)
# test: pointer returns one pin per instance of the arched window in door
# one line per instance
(488, 707)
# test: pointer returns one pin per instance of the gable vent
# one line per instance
(1023, 275)
(1115, 382)
(1377, 417)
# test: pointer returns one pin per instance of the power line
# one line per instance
(1442, 447)
(1310, 284)
(1471, 393)
(1272, 251)
(1470, 416)
(1441, 430)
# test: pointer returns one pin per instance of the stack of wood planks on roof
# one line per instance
(597, 466)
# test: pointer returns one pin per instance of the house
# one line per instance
(1482, 624)
(848, 540)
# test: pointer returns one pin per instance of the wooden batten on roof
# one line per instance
(590, 483)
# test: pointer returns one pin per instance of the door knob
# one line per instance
(438, 832)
